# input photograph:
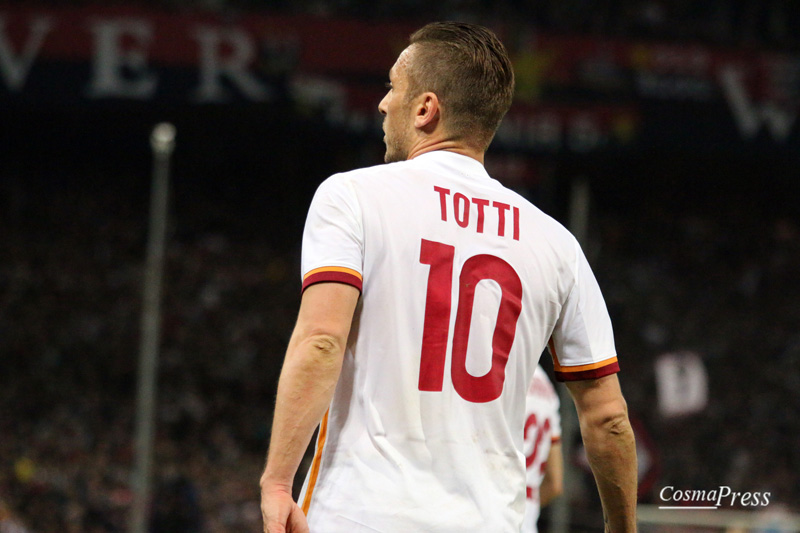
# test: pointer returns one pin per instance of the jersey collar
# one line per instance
(460, 163)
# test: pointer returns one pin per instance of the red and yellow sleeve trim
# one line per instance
(337, 274)
(581, 372)
(592, 371)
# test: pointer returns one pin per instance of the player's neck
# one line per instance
(447, 146)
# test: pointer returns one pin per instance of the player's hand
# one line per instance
(280, 512)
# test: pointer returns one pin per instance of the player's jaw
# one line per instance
(396, 139)
(394, 151)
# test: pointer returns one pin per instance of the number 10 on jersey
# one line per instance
(436, 329)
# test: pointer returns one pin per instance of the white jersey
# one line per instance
(463, 282)
(542, 429)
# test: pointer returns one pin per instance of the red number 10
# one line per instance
(436, 329)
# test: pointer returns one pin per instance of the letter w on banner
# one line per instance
(682, 384)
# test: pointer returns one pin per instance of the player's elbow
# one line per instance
(326, 345)
(610, 418)
(607, 430)
(319, 352)
(615, 422)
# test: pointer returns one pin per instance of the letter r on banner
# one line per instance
(234, 65)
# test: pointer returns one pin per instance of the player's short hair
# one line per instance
(469, 70)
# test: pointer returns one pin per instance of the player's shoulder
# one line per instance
(360, 177)
(545, 225)
(547, 221)
(382, 169)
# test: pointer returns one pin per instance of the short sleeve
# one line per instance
(333, 238)
(582, 343)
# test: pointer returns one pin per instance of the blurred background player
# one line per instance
(543, 459)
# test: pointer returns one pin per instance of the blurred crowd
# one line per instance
(770, 23)
(720, 282)
(722, 22)
(70, 282)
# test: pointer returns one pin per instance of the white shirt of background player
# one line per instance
(543, 459)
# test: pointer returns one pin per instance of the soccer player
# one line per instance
(429, 292)
(543, 459)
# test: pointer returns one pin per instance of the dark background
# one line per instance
(695, 242)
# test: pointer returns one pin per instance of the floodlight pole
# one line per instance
(580, 197)
(162, 142)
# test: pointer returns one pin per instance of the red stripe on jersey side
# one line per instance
(593, 373)
(330, 275)
(312, 480)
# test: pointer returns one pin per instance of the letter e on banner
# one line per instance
(119, 71)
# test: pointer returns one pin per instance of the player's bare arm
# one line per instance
(610, 447)
(553, 482)
(308, 379)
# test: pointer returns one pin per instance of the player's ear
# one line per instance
(427, 111)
